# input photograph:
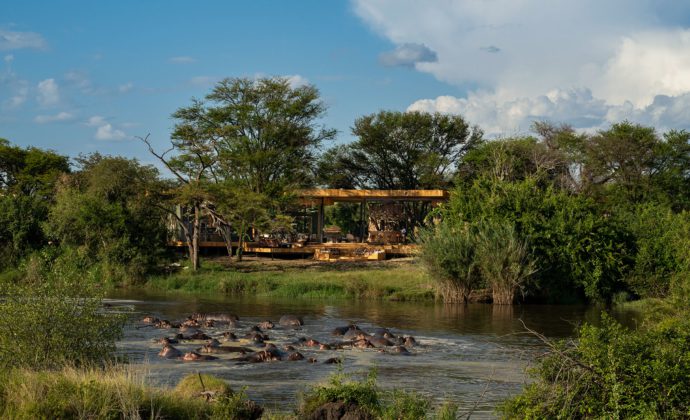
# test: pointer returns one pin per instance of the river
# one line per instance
(474, 355)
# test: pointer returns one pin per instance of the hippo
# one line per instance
(332, 360)
(261, 356)
(266, 325)
(256, 337)
(150, 319)
(218, 317)
(310, 342)
(410, 341)
(229, 336)
(385, 333)
(169, 352)
(323, 346)
(400, 350)
(312, 360)
(354, 333)
(362, 344)
(339, 331)
(213, 343)
(295, 355)
(379, 341)
(290, 321)
(166, 340)
(190, 323)
(255, 328)
(197, 336)
(288, 348)
(223, 349)
(165, 324)
(193, 356)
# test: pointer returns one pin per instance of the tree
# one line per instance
(109, 209)
(27, 180)
(401, 150)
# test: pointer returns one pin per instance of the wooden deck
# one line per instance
(345, 250)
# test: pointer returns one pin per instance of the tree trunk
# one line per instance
(196, 231)
(240, 246)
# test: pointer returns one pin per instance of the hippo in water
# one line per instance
(169, 352)
(270, 354)
(294, 356)
(166, 340)
(207, 349)
(231, 319)
(377, 341)
(400, 350)
(229, 336)
(340, 331)
(290, 321)
(150, 319)
(193, 356)
(266, 325)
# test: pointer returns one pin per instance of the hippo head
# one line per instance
(169, 352)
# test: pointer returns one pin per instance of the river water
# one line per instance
(474, 355)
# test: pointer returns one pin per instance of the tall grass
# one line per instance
(449, 254)
(504, 261)
(398, 283)
(113, 393)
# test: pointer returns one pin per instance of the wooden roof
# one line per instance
(339, 195)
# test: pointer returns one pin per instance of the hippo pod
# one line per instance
(193, 356)
(290, 321)
(169, 352)
(209, 349)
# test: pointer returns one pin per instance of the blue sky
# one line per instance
(80, 76)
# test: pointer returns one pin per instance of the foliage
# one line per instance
(55, 316)
(450, 255)
(571, 243)
(342, 388)
(612, 372)
(503, 260)
(406, 406)
(662, 239)
(107, 209)
(27, 179)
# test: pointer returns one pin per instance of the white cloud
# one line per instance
(48, 93)
(59, 117)
(18, 99)
(583, 61)
(95, 121)
(9, 58)
(295, 80)
(183, 59)
(105, 130)
(13, 40)
(126, 87)
(407, 55)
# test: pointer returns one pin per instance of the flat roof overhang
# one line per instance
(330, 196)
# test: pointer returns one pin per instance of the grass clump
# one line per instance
(346, 396)
(113, 393)
(201, 384)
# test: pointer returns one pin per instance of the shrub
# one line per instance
(449, 254)
(504, 261)
(55, 316)
(612, 372)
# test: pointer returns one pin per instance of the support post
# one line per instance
(321, 221)
(361, 220)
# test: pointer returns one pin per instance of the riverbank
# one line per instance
(120, 392)
(394, 280)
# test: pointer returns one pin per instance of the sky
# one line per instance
(84, 76)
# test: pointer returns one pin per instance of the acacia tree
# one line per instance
(250, 141)
(192, 166)
(400, 150)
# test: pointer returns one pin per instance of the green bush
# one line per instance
(450, 255)
(54, 316)
(612, 372)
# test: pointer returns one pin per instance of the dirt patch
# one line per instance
(262, 264)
